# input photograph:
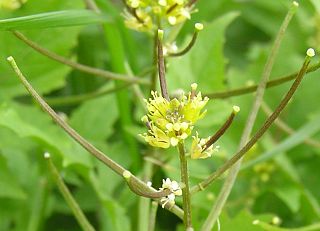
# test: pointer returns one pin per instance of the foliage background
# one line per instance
(229, 53)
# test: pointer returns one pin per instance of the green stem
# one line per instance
(144, 203)
(188, 47)
(161, 66)
(187, 219)
(118, 60)
(38, 206)
(153, 216)
(268, 227)
(285, 127)
(229, 182)
(153, 85)
(75, 208)
(137, 186)
(87, 69)
(250, 89)
(76, 99)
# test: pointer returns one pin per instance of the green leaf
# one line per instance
(9, 185)
(45, 74)
(63, 18)
(94, 119)
(205, 63)
(45, 132)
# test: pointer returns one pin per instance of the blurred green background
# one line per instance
(229, 53)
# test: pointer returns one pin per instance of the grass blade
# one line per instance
(63, 18)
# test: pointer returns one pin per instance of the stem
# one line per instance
(39, 205)
(191, 3)
(185, 190)
(75, 99)
(153, 85)
(222, 130)
(117, 53)
(229, 182)
(135, 183)
(285, 127)
(91, 70)
(250, 89)
(91, 5)
(77, 212)
(191, 43)
(153, 216)
(144, 203)
(161, 67)
(268, 227)
(258, 134)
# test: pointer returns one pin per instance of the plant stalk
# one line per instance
(187, 219)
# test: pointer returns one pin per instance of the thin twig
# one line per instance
(91, 5)
(72, 203)
(222, 130)
(230, 180)
(153, 216)
(75, 99)
(161, 67)
(285, 127)
(250, 89)
(198, 27)
(87, 69)
(257, 135)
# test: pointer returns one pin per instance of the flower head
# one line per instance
(175, 190)
(11, 4)
(145, 13)
(170, 122)
(199, 149)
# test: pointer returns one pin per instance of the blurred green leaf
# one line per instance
(205, 63)
(95, 118)
(52, 19)
(307, 130)
(9, 185)
(49, 135)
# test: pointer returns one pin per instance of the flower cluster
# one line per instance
(199, 150)
(11, 4)
(175, 190)
(144, 15)
(170, 122)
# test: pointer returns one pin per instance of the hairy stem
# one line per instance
(187, 219)
(75, 208)
(90, 70)
(230, 180)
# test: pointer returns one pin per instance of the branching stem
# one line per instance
(87, 69)
(257, 135)
(74, 206)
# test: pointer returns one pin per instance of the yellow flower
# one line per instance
(199, 150)
(11, 4)
(170, 122)
(146, 13)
